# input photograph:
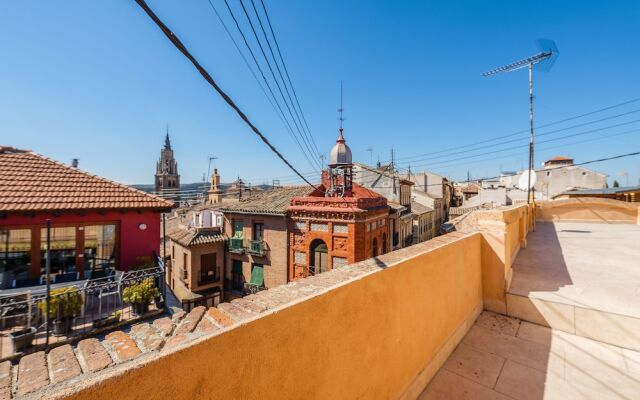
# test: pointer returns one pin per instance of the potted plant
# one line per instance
(140, 294)
(111, 319)
(22, 339)
(64, 305)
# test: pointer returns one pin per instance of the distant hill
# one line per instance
(192, 187)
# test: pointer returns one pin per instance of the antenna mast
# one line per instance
(545, 58)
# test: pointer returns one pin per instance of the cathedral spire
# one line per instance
(167, 142)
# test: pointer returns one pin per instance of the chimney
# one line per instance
(75, 162)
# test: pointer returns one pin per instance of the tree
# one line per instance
(616, 184)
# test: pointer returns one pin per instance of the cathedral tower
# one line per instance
(167, 180)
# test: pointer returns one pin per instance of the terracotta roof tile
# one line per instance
(192, 237)
(30, 181)
(273, 201)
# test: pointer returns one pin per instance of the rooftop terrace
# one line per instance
(404, 325)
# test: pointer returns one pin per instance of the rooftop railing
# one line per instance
(35, 318)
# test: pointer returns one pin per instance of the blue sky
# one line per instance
(98, 81)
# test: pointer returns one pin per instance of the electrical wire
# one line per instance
(264, 54)
(523, 138)
(526, 130)
(295, 95)
(178, 44)
(279, 114)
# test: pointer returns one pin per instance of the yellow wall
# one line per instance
(503, 232)
(589, 209)
(369, 339)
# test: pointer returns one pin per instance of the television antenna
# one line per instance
(370, 150)
(543, 61)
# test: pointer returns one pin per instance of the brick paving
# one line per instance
(63, 364)
(93, 355)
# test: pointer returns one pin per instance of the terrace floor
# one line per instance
(588, 265)
(573, 324)
(504, 358)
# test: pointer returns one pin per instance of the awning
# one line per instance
(257, 275)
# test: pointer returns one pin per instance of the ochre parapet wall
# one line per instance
(379, 329)
(589, 209)
(504, 232)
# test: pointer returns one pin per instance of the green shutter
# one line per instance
(236, 267)
(257, 275)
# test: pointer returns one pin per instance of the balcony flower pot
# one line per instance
(140, 308)
(22, 339)
(63, 326)
(140, 294)
(64, 305)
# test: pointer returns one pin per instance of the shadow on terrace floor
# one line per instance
(505, 358)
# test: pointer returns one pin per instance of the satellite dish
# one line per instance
(523, 182)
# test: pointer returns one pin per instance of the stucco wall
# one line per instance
(589, 209)
(503, 232)
(381, 335)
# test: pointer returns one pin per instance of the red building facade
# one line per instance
(339, 223)
(95, 223)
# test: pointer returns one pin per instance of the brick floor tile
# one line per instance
(93, 355)
(5, 380)
(122, 345)
(63, 364)
(32, 373)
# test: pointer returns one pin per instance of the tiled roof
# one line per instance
(273, 201)
(418, 208)
(193, 237)
(560, 158)
(32, 182)
(611, 190)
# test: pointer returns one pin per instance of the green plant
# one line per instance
(63, 303)
(141, 292)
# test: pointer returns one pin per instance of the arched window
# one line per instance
(319, 257)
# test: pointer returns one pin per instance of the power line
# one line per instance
(282, 116)
(264, 54)
(525, 130)
(543, 141)
(635, 153)
(279, 114)
(178, 44)
(519, 139)
(540, 149)
(284, 83)
(295, 95)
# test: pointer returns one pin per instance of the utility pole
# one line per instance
(545, 58)
(393, 170)
(530, 133)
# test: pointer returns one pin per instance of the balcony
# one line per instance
(236, 245)
(257, 248)
(450, 318)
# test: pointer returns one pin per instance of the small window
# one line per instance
(237, 229)
(258, 231)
